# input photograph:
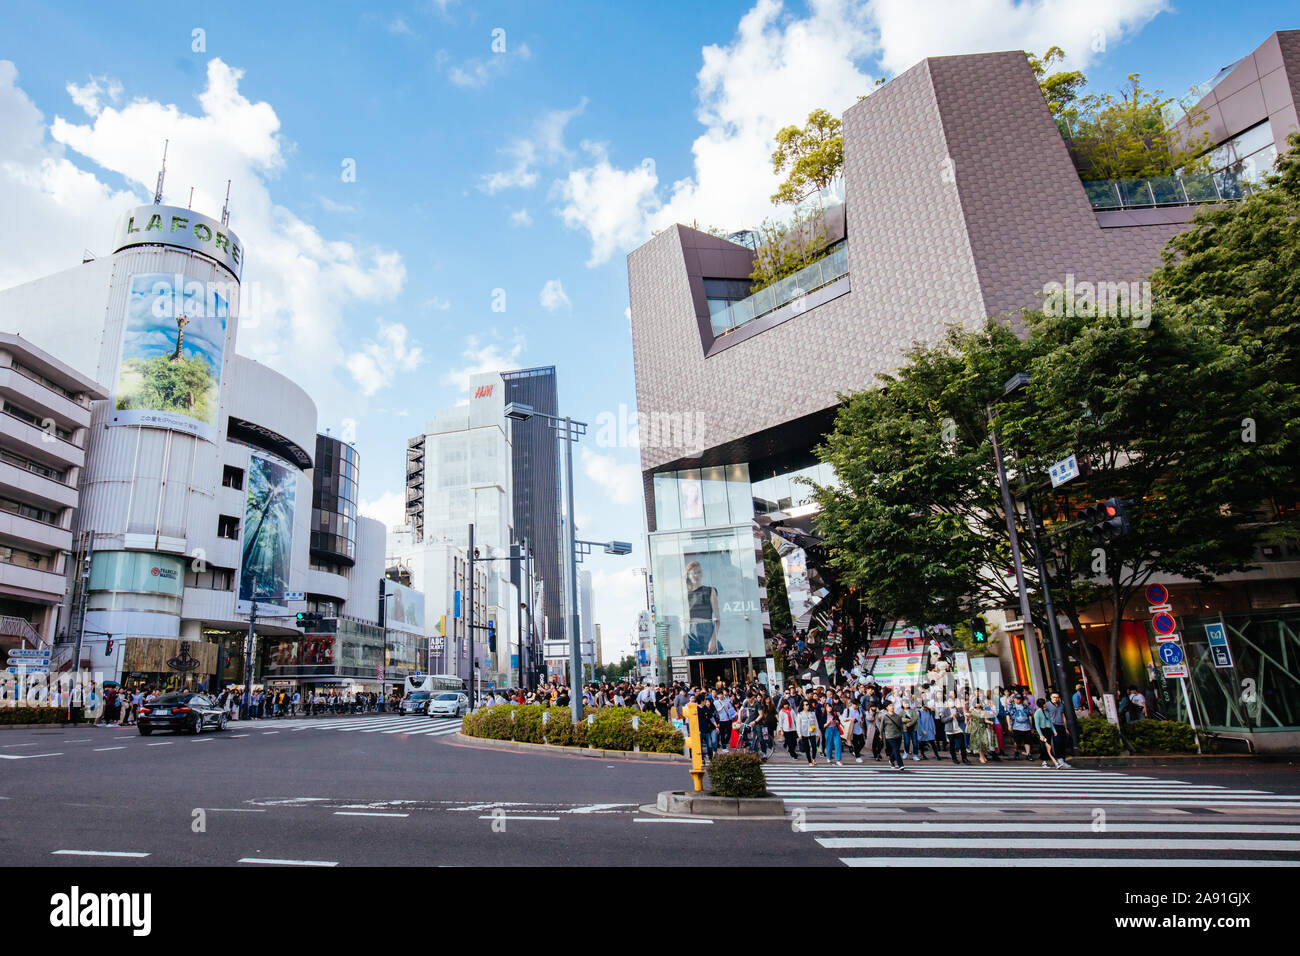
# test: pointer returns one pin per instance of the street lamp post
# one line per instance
(570, 431)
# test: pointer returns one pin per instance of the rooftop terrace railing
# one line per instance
(1189, 190)
(808, 279)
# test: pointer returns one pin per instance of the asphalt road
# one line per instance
(381, 791)
(315, 794)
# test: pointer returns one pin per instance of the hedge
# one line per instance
(609, 728)
(1160, 736)
(1100, 738)
(33, 715)
(737, 774)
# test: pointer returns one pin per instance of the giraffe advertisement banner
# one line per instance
(173, 349)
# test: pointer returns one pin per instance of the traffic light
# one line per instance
(979, 630)
(1106, 520)
(492, 636)
(309, 621)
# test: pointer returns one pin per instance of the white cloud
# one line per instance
(399, 26)
(521, 218)
(40, 185)
(329, 205)
(389, 507)
(613, 205)
(909, 32)
(619, 595)
(87, 95)
(780, 66)
(476, 73)
(375, 366)
(437, 304)
(485, 358)
(297, 282)
(544, 145)
(553, 296)
(622, 483)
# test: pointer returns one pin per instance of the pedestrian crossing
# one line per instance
(415, 726)
(1054, 818)
(992, 788)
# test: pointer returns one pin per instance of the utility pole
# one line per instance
(469, 617)
(571, 584)
(1058, 649)
(1031, 649)
(248, 661)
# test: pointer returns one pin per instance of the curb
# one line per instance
(518, 745)
(679, 803)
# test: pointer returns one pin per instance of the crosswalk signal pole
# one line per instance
(248, 662)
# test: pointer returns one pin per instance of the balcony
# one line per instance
(1116, 194)
(17, 434)
(36, 583)
(22, 483)
(809, 279)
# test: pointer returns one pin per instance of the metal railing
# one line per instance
(1160, 191)
(808, 279)
(20, 628)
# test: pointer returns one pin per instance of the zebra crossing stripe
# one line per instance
(1042, 843)
(1033, 826)
(1054, 861)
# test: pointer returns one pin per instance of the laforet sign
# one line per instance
(163, 655)
(183, 228)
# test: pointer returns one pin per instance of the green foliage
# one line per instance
(33, 715)
(785, 248)
(1061, 89)
(738, 774)
(613, 673)
(610, 729)
(1100, 738)
(814, 156)
(778, 601)
(187, 386)
(1160, 736)
(1124, 136)
(1117, 137)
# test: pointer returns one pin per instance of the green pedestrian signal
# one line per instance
(979, 630)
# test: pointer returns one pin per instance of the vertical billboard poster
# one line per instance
(173, 350)
(267, 542)
(706, 592)
(405, 608)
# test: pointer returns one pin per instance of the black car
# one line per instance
(416, 703)
(185, 711)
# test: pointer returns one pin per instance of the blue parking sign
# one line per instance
(1171, 653)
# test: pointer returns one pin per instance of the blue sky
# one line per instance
(532, 167)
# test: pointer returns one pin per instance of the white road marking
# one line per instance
(236, 736)
(974, 827)
(667, 820)
(1039, 843)
(598, 807)
(35, 744)
(959, 861)
(26, 756)
(164, 743)
(516, 816)
(98, 853)
(100, 750)
(252, 859)
(367, 813)
(233, 810)
(266, 732)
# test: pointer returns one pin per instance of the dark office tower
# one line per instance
(536, 476)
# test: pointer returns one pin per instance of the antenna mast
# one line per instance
(225, 210)
(190, 204)
(162, 171)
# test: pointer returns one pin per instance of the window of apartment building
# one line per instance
(24, 559)
(227, 527)
(232, 477)
(36, 376)
(28, 511)
(22, 461)
(321, 564)
(212, 579)
(36, 421)
(323, 607)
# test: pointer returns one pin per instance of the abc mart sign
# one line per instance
(182, 228)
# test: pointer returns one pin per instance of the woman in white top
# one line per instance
(806, 727)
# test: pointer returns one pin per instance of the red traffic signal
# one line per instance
(1106, 520)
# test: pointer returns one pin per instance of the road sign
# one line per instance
(1166, 638)
(1164, 623)
(1175, 670)
(381, 674)
(1171, 653)
(1218, 636)
(1157, 608)
(1157, 594)
(295, 595)
(1063, 471)
(29, 669)
(29, 653)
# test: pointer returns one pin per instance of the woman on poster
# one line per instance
(704, 619)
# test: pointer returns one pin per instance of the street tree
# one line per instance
(812, 154)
